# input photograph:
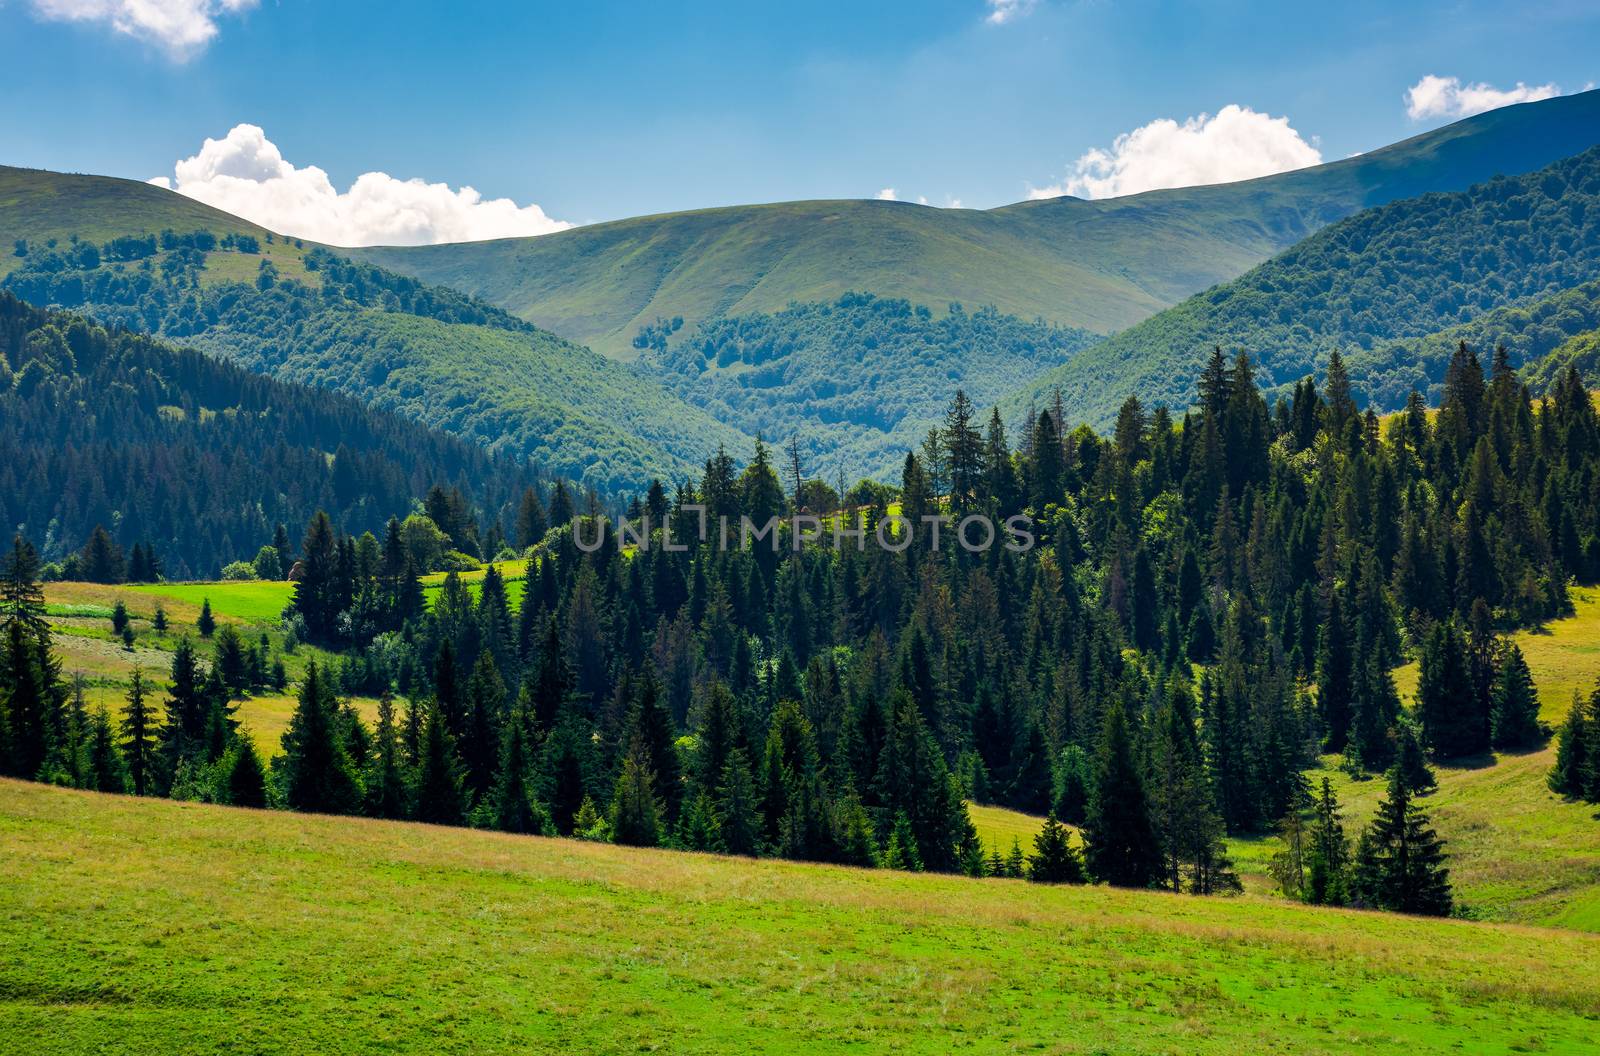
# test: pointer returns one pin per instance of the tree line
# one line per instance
(1212, 604)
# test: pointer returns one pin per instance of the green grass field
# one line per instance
(256, 601)
(151, 926)
(1518, 851)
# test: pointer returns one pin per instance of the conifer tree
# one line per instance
(244, 779)
(104, 770)
(317, 772)
(900, 849)
(913, 779)
(1016, 861)
(1447, 702)
(1122, 848)
(1054, 859)
(1515, 710)
(650, 722)
(1070, 798)
(516, 808)
(738, 817)
(1411, 761)
(388, 791)
(481, 728)
(1327, 853)
(1400, 866)
(139, 738)
(1335, 679)
(635, 812)
(1575, 751)
(28, 702)
(206, 623)
(441, 797)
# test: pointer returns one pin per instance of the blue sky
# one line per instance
(601, 110)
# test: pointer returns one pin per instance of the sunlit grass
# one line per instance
(151, 926)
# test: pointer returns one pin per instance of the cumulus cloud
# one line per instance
(1435, 96)
(1003, 11)
(1236, 144)
(245, 174)
(887, 195)
(180, 27)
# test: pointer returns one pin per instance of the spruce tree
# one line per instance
(1411, 761)
(1054, 859)
(139, 738)
(1401, 863)
(206, 623)
(1016, 861)
(1515, 712)
(1327, 852)
(516, 808)
(1070, 798)
(317, 773)
(1121, 844)
(1335, 679)
(30, 701)
(481, 727)
(1447, 703)
(441, 797)
(567, 768)
(635, 812)
(244, 779)
(388, 790)
(1575, 748)
(738, 815)
(104, 769)
(900, 849)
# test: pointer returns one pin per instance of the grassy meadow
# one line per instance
(1519, 853)
(140, 926)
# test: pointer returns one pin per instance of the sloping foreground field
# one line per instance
(150, 926)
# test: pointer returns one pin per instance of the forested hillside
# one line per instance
(1404, 270)
(856, 381)
(1101, 265)
(1143, 672)
(439, 356)
(199, 460)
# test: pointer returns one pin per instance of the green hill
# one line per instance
(857, 381)
(1405, 270)
(440, 357)
(158, 926)
(1102, 265)
(36, 206)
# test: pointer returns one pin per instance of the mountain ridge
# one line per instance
(1098, 264)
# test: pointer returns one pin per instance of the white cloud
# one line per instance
(1237, 144)
(887, 195)
(244, 173)
(181, 27)
(1003, 11)
(1435, 96)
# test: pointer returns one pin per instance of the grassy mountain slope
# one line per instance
(1404, 270)
(153, 926)
(433, 354)
(1103, 265)
(38, 205)
(858, 380)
